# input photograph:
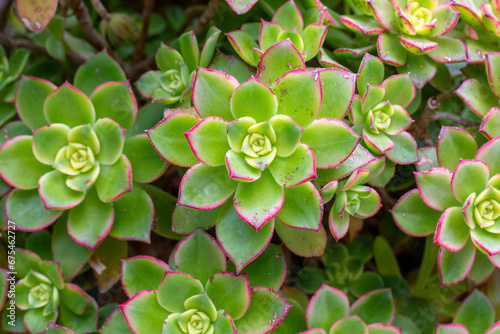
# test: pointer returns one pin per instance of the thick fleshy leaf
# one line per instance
(371, 71)
(373, 96)
(305, 243)
(279, 59)
(35, 321)
(212, 92)
(492, 68)
(476, 313)
(417, 45)
(351, 324)
(169, 140)
(383, 329)
(30, 96)
(288, 16)
(481, 269)
(208, 141)
(269, 269)
(383, 11)
(338, 88)
(452, 232)
(338, 225)
(421, 69)
(295, 169)
(142, 273)
(205, 187)
(319, 136)
(313, 37)
(375, 307)
(232, 65)
(229, 292)
(454, 144)
(144, 314)
(240, 241)
(267, 310)
(56, 194)
(404, 151)
(114, 180)
(434, 186)
(268, 35)
(326, 307)
(200, 256)
(448, 50)
(413, 216)
(167, 58)
(208, 51)
(446, 17)
(399, 90)
(146, 164)
(455, 266)
(96, 71)
(116, 101)
(400, 121)
(486, 241)
(259, 201)
(451, 329)
(244, 44)
(299, 95)
(303, 207)
(90, 221)
(149, 83)
(239, 169)
(48, 140)
(362, 24)
(55, 329)
(254, 99)
(69, 106)
(478, 96)
(175, 288)
(489, 153)
(389, 49)
(190, 50)
(469, 177)
(19, 167)
(288, 134)
(490, 126)
(111, 138)
(116, 323)
(134, 212)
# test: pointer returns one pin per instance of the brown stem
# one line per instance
(100, 9)
(387, 201)
(146, 15)
(87, 26)
(4, 13)
(206, 17)
(134, 71)
(438, 115)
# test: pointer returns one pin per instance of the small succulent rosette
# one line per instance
(329, 311)
(42, 296)
(196, 296)
(10, 71)
(378, 113)
(287, 23)
(171, 85)
(350, 198)
(459, 202)
(483, 27)
(257, 145)
(75, 160)
(482, 94)
(480, 305)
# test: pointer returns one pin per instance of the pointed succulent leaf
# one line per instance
(205, 187)
(319, 136)
(383, 11)
(243, 44)
(212, 92)
(490, 126)
(56, 194)
(478, 96)
(492, 68)
(383, 329)
(169, 140)
(207, 54)
(400, 121)
(279, 59)
(434, 186)
(35, 321)
(111, 139)
(176, 288)
(229, 292)
(313, 37)
(69, 106)
(446, 17)
(30, 96)
(144, 314)
(450, 329)
(288, 16)
(389, 48)
(469, 177)
(422, 69)
(190, 50)
(268, 35)
(338, 225)
(149, 83)
(362, 24)
(142, 273)
(98, 70)
(295, 169)
(373, 96)
(476, 313)
(168, 58)
(19, 167)
(455, 266)
(327, 306)
(259, 201)
(288, 134)
(481, 269)
(48, 140)
(74, 298)
(269, 269)
(305, 243)
(448, 50)
(208, 141)
(351, 324)
(452, 232)
(114, 180)
(454, 144)
(416, 44)
(266, 311)
(90, 221)
(339, 86)
(375, 307)
(146, 164)
(489, 153)
(240, 241)
(52, 328)
(303, 207)
(371, 71)
(486, 241)
(115, 100)
(404, 151)
(239, 169)
(200, 256)
(254, 99)
(399, 90)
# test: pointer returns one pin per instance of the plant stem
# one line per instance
(146, 15)
(428, 263)
(206, 17)
(87, 26)
(100, 9)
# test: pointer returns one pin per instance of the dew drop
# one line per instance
(346, 76)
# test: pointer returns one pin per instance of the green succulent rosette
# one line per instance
(287, 23)
(171, 85)
(459, 202)
(256, 145)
